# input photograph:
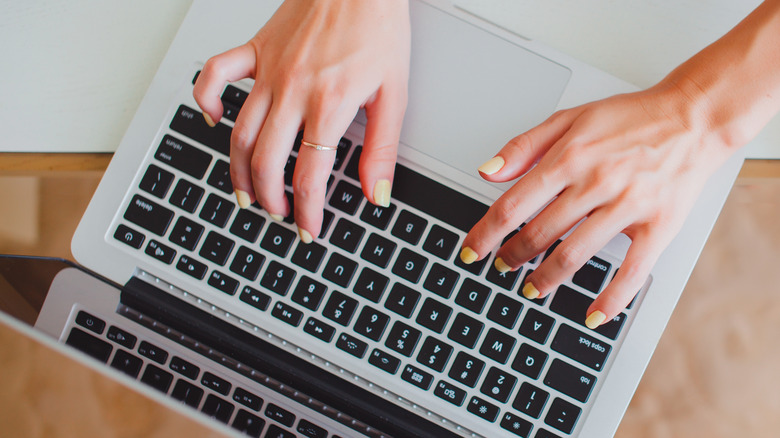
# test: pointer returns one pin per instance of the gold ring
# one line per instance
(319, 147)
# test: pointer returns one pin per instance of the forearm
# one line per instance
(732, 87)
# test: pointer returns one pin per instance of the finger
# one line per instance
(507, 212)
(632, 275)
(380, 148)
(243, 140)
(271, 151)
(542, 231)
(235, 64)
(523, 151)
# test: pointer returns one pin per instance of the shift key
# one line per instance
(149, 215)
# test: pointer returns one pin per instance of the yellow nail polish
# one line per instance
(530, 291)
(382, 190)
(492, 166)
(209, 120)
(595, 319)
(501, 266)
(276, 217)
(242, 198)
(305, 235)
(468, 256)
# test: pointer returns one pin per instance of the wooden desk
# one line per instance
(713, 373)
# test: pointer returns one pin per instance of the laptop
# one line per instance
(376, 329)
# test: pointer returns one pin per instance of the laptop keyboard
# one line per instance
(384, 286)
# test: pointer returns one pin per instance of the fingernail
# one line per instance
(492, 166)
(276, 217)
(468, 256)
(305, 235)
(243, 198)
(530, 291)
(501, 265)
(209, 120)
(382, 190)
(595, 319)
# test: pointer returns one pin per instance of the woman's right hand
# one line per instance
(315, 64)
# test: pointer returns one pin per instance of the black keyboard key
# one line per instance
(186, 233)
(569, 380)
(341, 153)
(340, 308)
(402, 300)
(505, 311)
(230, 111)
(505, 280)
(217, 408)
(498, 384)
(184, 368)
(371, 323)
(216, 210)
(216, 383)
(409, 227)
(311, 430)
(286, 313)
(148, 215)
(378, 250)
(543, 433)
(417, 377)
(591, 276)
(183, 156)
(275, 431)
(377, 216)
(247, 263)
(515, 424)
(327, 219)
(441, 280)
(529, 361)
(475, 267)
(156, 181)
(157, 378)
(309, 256)
(219, 178)
(121, 337)
(440, 242)
(248, 399)
(536, 326)
(249, 424)
(450, 393)
(497, 346)
(319, 329)
(186, 196)
(277, 240)
(351, 170)
(585, 349)
(308, 293)
(234, 95)
(255, 298)
(562, 415)
(90, 322)
(277, 278)
(346, 197)
(161, 252)
(473, 295)
(247, 225)
(409, 265)
(402, 338)
(384, 361)
(573, 305)
(279, 415)
(191, 123)
(339, 269)
(530, 400)
(434, 354)
(482, 409)
(347, 235)
(127, 363)
(187, 393)
(216, 248)
(351, 345)
(371, 284)
(152, 352)
(434, 315)
(289, 170)
(465, 330)
(466, 369)
(129, 236)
